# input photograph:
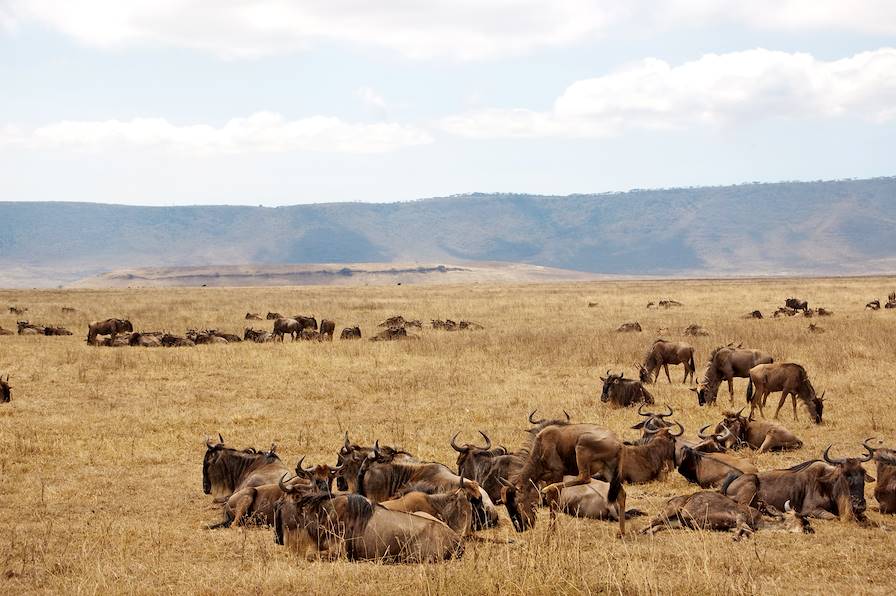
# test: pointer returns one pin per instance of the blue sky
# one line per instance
(275, 102)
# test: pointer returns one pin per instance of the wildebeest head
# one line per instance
(814, 404)
(5, 394)
(212, 452)
(850, 470)
(320, 476)
(707, 392)
(643, 374)
(468, 454)
(732, 430)
(653, 421)
(522, 502)
(351, 456)
(609, 381)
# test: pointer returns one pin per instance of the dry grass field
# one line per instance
(101, 448)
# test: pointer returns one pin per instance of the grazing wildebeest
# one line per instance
(174, 341)
(621, 392)
(257, 335)
(306, 322)
(590, 501)
(760, 435)
(329, 526)
(486, 465)
(327, 328)
(110, 327)
(558, 451)
(788, 378)
(724, 364)
(634, 326)
(711, 469)
(885, 491)
(823, 489)
(286, 326)
(873, 305)
(226, 470)
(144, 340)
(253, 316)
(663, 353)
(797, 304)
(5, 390)
(271, 316)
(351, 333)
(452, 508)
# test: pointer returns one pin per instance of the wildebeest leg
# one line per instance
(666, 368)
(793, 397)
(766, 444)
(731, 389)
(781, 403)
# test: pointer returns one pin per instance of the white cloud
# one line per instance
(464, 29)
(372, 100)
(726, 89)
(262, 132)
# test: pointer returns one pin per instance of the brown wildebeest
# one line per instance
(797, 304)
(271, 316)
(470, 325)
(253, 316)
(110, 327)
(486, 465)
(760, 435)
(632, 327)
(228, 337)
(823, 312)
(711, 469)
(68, 310)
(653, 421)
(784, 311)
(320, 476)
(756, 314)
(663, 353)
(254, 505)
(56, 331)
(400, 321)
(392, 334)
(226, 470)
(17, 310)
(621, 392)
(306, 322)
(873, 305)
(144, 340)
(813, 328)
(695, 330)
(257, 335)
(310, 335)
(27, 328)
(286, 326)
(204, 337)
(6, 331)
(329, 526)
(891, 300)
(724, 364)
(669, 303)
(351, 333)
(174, 341)
(590, 501)
(5, 390)
(452, 508)
(327, 328)
(826, 490)
(558, 451)
(885, 491)
(649, 461)
(351, 456)
(788, 378)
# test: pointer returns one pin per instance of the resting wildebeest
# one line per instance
(144, 340)
(56, 331)
(257, 335)
(653, 421)
(255, 504)
(873, 305)
(6, 331)
(392, 334)
(788, 378)
(204, 337)
(724, 364)
(797, 304)
(823, 489)
(559, 451)
(226, 470)
(174, 341)
(590, 501)
(253, 316)
(228, 337)
(329, 526)
(273, 316)
(486, 465)
(663, 353)
(27, 328)
(711, 469)
(327, 328)
(760, 435)
(695, 330)
(110, 327)
(784, 311)
(452, 508)
(621, 392)
(16, 310)
(629, 327)
(5, 390)
(286, 326)
(351, 333)
(320, 476)
(756, 314)
(351, 456)
(885, 491)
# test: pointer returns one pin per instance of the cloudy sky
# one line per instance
(273, 102)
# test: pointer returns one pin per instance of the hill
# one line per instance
(824, 227)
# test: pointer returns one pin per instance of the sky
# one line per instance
(278, 102)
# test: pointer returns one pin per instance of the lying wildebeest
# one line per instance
(351, 456)
(653, 421)
(669, 303)
(621, 392)
(760, 435)
(28, 328)
(144, 340)
(724, 364)
(590, 501)
(400, 321)
(469, 325)
(68, 310)
(17, 310)
(255, 504)
(649, 461)
(351, 333)
(111, 327)
(204, 337)
(452, 508)
(306, 322)
(286, 326)
(826, 490)
(56, 331)
(446, 325)
(310, 335)
(788, 378)
(663, 353)
(257, 335)
(784, 311)
(5, 390)
(559, 451)
(271, 316)
(873, 305)
(885, 491)
(392, 334)
(756, 314)
(695, 330)
(226, 470)
(329, 526)
(709, 510)
(320, 476)
(327, 328)
(174, 341)
(6, 331)
(797, 304)
(711, 469)
(486, 465)
(228, 337)
(813, 328)
(823, 312)
(633, 326)
(253, 316)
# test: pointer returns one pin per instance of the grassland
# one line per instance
(101, 449)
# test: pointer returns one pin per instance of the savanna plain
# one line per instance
(101, 448)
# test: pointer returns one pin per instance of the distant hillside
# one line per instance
(846, 226)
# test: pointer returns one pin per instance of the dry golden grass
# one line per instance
(101, 449)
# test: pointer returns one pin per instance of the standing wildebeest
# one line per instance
(226, 470)
(330, 525)
(885, 491)
(558, 451)
(891, 300)
(621, 392)
(111, 327)
(797, 304)
(760, 435)
(286, 326)
(5, 390)
(788, 378)
(724, 364)
(663, 353)
(351, 333)
(814, 488)
(306, 322)
(486, 465)
(327, 328)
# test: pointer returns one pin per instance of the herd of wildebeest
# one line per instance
(379, 502)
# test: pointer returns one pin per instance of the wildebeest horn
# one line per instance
(680, 430)
(640, 413)
(455, 446)
(504, 449)
(272, 449)
(299, 466)
(220, 438)
(532, 420)
(565, 413)
(701, 434)
(741, 411)
(346, 443)
(608, 373)
(668, 407)
(336, 468)
(283, 487)
(488, 442)
(828, 459)
(376, 449)
(821, 398)
(868, 447)
(787, 507)
(621, 375)
(869, 455)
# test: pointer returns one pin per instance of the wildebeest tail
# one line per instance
(691, 362)
(615, 483)
(750, 391)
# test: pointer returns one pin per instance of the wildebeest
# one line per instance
(813, 328)
(257, 335)
(329, 526)
(320, 476)
(756, 314)
(17, 310)
(327, 328)
(653, 421)
(823, 312)
(486, 465)
(306, 322)
(392, 334)
(710, 469)
(5, 390)
(558, 451)
(6, 331)
(784, 311)
(351, 333)
(724, 364)
(351, 456)
(695, 330)
(621, 392)
(226, 470)
(228, 337)
(761, 435)
(271, 316)
(446, 325)
(669, 303)
(891, 300)
(255, 504)
(823, 489)
(885, 490)
(633, 326)
(651, 459)
(204, 337)
(174, 341)
(111, 327)
(590, 501)
(469, 325)
(453, 508)
(310, 335)
(663, 353)
(873, 305)
(286, 326)
(400, 321)
(144, 340)
(797, 304)
(68, 310)
(27, 328)
(253, 316)
(56, 331)
(788, 378)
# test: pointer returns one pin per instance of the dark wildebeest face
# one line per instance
(609, 381)
(350, 458)
(653, 421)
(643, 375)
(522, 503)
(320, 476)
(814, 404)
(5, 390)
(850, 470)
(469, 456)
(212, 453)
